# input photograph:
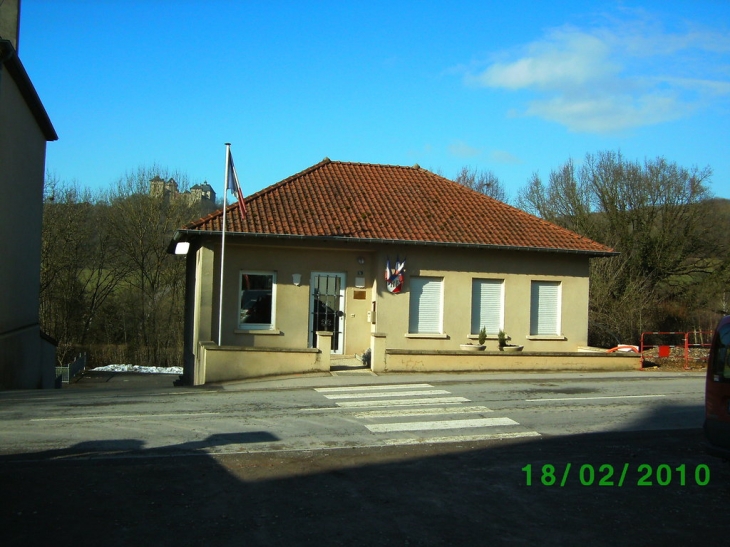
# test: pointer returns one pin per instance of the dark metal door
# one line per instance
(326, 308)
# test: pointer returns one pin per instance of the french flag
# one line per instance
(233, 184)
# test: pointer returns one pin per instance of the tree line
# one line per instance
(672, 271)
(109, 287)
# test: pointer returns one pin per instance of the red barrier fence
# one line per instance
(680, 339)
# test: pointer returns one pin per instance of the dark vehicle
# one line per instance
(717, 392)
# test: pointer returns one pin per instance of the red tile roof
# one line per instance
(390, 203)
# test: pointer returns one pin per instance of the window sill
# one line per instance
(547, 337)
(266, 332)
(427, 335)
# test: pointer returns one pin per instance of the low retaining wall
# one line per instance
(229, 363)
(466, 361)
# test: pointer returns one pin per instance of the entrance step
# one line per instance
(348, 364)
(352, 371)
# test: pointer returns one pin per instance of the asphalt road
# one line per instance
(533, 459)
(310, 413)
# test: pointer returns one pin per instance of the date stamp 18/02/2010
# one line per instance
(609, 475)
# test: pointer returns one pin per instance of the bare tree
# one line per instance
(79, 264)
(152, 301)
(107, 282)
(484, 182)
(565, 200)
(654, 213)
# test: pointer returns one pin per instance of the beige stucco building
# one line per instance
(27, 358)
(305, 278)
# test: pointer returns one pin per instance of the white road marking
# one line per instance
(188, 392)
(390, 394)
(371, 388)
(406, 402)
(445, 424)
(461, 438)
(422, 412)
(595, 398)
(122, 417)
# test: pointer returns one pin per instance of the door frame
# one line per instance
(338, 337)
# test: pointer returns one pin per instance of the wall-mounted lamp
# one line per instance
(360, 260)
(182, 247)
(296, 279)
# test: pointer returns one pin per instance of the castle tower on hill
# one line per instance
(161, 187)
(201, 194)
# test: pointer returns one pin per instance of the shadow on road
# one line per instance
(118, 493)
(121, 380)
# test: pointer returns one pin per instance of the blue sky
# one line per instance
(511, 87)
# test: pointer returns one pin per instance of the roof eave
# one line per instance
(15, 68)
(181, 235)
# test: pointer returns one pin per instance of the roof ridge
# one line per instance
(517, 210)
(287, 180)
(326, 161)
(544, 221)
(361, 201)
(369, 164)
(210, 216)
(262, 192)
(201, 220)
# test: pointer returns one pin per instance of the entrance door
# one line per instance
(327, 308)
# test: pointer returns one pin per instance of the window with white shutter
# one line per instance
(545, 308)
(487, 305)
(425, 313)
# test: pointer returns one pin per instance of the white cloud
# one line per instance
(605, 114)
(502, 156)
(567, 58)
(701, 86)
(626, 74)
(462, 150)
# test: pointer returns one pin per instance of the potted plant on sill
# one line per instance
(472, 347)
(503, 345)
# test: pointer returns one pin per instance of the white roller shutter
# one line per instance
(424, 314)
(487, 305)
(545, 308)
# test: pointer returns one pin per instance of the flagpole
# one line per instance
(223, 245)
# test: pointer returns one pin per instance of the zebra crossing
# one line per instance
(416, 411)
